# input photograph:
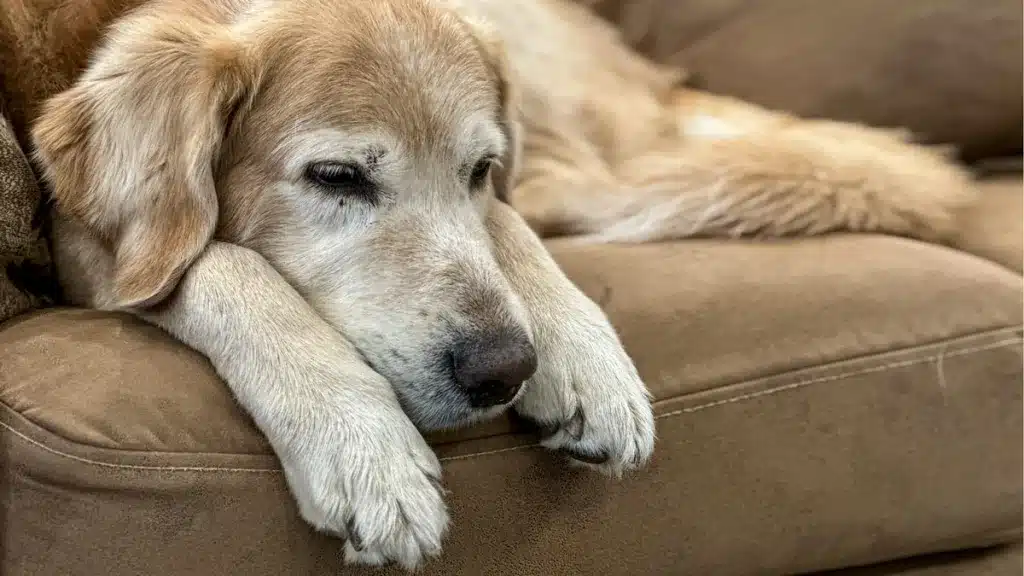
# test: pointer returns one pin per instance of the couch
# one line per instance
(845, 403)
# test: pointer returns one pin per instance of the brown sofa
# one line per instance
(822, 403)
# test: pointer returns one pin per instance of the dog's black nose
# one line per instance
(491, 368)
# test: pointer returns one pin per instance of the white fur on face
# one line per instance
(406, 277)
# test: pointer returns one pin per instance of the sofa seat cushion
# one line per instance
(821, 403)
(1003, 560)
(994, 228)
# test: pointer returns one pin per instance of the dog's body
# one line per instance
(303, 190)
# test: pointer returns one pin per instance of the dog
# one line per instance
(339, 203)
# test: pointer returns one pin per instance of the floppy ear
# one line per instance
(503, 175)
(130, 149)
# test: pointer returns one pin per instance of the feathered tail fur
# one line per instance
(735, 170)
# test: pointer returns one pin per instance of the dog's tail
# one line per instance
(803, 178)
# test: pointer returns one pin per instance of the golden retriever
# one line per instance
(309, 192)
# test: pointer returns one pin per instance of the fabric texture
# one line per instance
(994, 229)
(26, 279)
(949, 70)
(821, 403)
(994, 561)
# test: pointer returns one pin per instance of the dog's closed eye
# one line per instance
(344, 179)
(481, 170)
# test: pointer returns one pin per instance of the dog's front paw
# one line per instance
(371, 479)
(587, 396)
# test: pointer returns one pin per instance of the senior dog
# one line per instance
(318, 196)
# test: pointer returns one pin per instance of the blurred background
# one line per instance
(949, 70)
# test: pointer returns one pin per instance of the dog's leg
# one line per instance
(563, 185)
(560, 198)
(355, 463)
(735, 170)
(732, 169)
(586, 392)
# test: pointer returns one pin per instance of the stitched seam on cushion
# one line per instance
(689, 410)
(840, 376)
(788, 387)
(943, 345)
(133, 466)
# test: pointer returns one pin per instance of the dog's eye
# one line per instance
(480, 172)
(340, 177)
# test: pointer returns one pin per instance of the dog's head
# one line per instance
(354, 144)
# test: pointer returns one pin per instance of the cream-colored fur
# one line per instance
(615, 148)
(181, 165)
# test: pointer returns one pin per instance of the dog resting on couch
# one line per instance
(338, 203)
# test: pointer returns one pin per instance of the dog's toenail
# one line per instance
(574, 427)
(436, 482)
(353, 535)
(586, 457)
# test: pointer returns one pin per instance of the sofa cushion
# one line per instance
(947, 69)
(993, 561)
(994, 228)
(821, 403)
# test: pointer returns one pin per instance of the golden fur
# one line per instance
(620, 148)
(179, 136)
(339, 316)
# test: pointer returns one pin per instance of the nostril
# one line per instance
(492, 393)
(491, 369)
(491, 385)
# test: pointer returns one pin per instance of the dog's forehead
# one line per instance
(404, 67)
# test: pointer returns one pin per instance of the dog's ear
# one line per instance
(504, 174)
(130, 149)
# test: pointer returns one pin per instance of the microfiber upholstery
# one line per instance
(820, 404)
(949, 70)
